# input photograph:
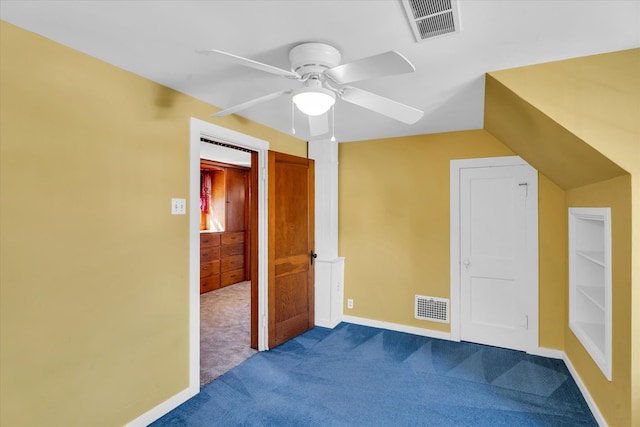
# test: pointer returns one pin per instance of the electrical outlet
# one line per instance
(178, 206)
(349, 303)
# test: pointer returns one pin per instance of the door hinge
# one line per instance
(524, 323)
(526, 188)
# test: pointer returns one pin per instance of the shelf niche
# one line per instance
(590, 282)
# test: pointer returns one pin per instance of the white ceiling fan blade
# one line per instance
(319, 125)
(384, 64)
(251, 63)
(250, 103)
(381, 105)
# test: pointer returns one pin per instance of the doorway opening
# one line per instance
(226, 210)
(257, 242)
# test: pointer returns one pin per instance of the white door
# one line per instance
(498, 296)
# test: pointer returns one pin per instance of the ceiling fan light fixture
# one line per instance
(314, 101)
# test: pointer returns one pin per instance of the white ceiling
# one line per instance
(158, 40)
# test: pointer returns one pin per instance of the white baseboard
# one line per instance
(547, 352)
(327, 324)
(163, 408)
(585, 393)
(397, 327)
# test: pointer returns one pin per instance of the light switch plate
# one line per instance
(178, 206)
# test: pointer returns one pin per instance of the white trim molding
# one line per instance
(397, 327)
(551, 353)
(329, 267)
(208, 130)
(162, 409)
(329, 291)
(585, 392)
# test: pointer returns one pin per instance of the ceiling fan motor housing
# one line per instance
(313, 58)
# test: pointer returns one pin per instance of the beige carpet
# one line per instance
(225, 330)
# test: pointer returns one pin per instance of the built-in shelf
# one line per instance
(594, 294)
(590, 282)
(593, 256)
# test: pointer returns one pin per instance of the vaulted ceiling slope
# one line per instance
(159, 39)
(577, 121)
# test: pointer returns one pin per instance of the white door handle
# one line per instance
(466, 263)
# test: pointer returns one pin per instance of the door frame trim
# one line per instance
(199, 128)
(531, 237)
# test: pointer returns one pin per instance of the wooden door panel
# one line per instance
(292, 307)
(292, 264)
(291, 208)
(289, 302)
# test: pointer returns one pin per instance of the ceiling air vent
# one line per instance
(432, 18)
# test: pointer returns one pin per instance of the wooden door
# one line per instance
(495, 289)
(291, 243)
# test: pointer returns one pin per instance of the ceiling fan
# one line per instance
(317, 66)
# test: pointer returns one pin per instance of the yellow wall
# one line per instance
(394, 227)
(577, 121)
(94, 269)
(552, 265)
(596, 98)
(556, 152)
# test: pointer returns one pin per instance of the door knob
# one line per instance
(466, 263)
(313, 256)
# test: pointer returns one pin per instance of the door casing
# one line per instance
(198, 129)
(531, 238)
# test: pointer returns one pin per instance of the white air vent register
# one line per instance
(432, 18)
(431, 308)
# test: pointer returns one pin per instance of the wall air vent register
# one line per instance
(431, 308)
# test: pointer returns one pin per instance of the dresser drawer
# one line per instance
(233, 238)
(232, 263)
(209, 283)
(209, 269)
(209, 239)
(208, 254)
(231, 250)
(231, 277)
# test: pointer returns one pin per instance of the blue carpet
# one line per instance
(360, 376)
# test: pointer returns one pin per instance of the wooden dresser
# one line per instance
(209, 261)
(222, 259)
(232, 258)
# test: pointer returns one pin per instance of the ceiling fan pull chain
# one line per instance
(333, 123)
(293, 119)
